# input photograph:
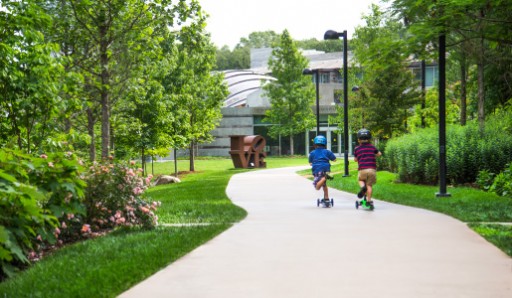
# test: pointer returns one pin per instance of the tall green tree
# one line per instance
(112, 43)
(197, 92)
(388, 86)
(292, 94)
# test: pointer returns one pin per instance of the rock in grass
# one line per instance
(166, 179)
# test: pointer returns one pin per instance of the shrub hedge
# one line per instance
(50, 200)
(415, 157)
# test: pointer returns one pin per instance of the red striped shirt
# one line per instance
(365, 154)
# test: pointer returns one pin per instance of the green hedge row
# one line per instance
(415, 157)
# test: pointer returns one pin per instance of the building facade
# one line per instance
(244, 108)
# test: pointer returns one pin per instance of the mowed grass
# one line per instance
(486, 213)
(107, 266)
(110, 265)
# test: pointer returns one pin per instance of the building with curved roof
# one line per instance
(243, 85)
(244, 108)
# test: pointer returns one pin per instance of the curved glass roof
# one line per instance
(242, 83)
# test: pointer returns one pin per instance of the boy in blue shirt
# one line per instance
(319, 160)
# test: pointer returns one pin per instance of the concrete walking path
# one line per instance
(288, 247)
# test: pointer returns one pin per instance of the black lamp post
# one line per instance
(308, 71)
(330, 34)
(442, 117)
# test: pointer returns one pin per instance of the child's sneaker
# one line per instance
(361, 192)
(329, 176)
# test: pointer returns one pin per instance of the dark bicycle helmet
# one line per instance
(364, 134)
(320, 140)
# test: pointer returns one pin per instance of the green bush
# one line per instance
(415, 157)
(485, 179)
(51, 200)
(502, 183)
(23, 218)
(409, 154)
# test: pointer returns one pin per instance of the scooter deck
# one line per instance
(364, 205)
(325, 203)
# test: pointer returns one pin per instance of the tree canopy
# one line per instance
(292, 94)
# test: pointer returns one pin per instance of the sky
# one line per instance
(230, 20)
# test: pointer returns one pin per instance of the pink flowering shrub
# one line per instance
(115, 197)
(52, 199)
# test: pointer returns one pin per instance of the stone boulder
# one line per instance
(166, 179)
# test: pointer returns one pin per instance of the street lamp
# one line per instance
(442, 117)
(331, 34)
(308, 71)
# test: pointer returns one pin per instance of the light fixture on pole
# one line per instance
(331, 34)
(308, 71)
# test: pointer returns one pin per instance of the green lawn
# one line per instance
(108, 266)
(97, 268)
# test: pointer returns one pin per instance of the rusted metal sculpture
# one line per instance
(248, 151)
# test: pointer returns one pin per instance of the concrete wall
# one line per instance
(235, 121)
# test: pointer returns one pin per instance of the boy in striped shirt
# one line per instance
(365, 155)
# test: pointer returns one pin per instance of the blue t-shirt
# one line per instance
(320, 160)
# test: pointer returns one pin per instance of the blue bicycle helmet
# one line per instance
(320, 140)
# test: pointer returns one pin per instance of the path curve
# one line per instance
(287, 247)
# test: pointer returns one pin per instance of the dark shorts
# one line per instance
(317, 178)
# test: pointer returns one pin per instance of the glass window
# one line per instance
(431, 75)
(336, 77)
(324, 78)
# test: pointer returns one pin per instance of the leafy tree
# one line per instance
(430, 113)
(388, 86)
(292, 94)
(239, 58)
(261, 39)
(480, 26)
(197, 93)
(327, 46)
(116, 39)
(29, 76)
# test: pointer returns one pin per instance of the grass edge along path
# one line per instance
(109, 265)
(486, 213)
(192, 213)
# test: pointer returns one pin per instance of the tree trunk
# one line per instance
(175, 163)
(463, 90)
(481, 94)
(291, 145)
(192, 168)
(90, 131)
(104, 93)
(143, 161)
